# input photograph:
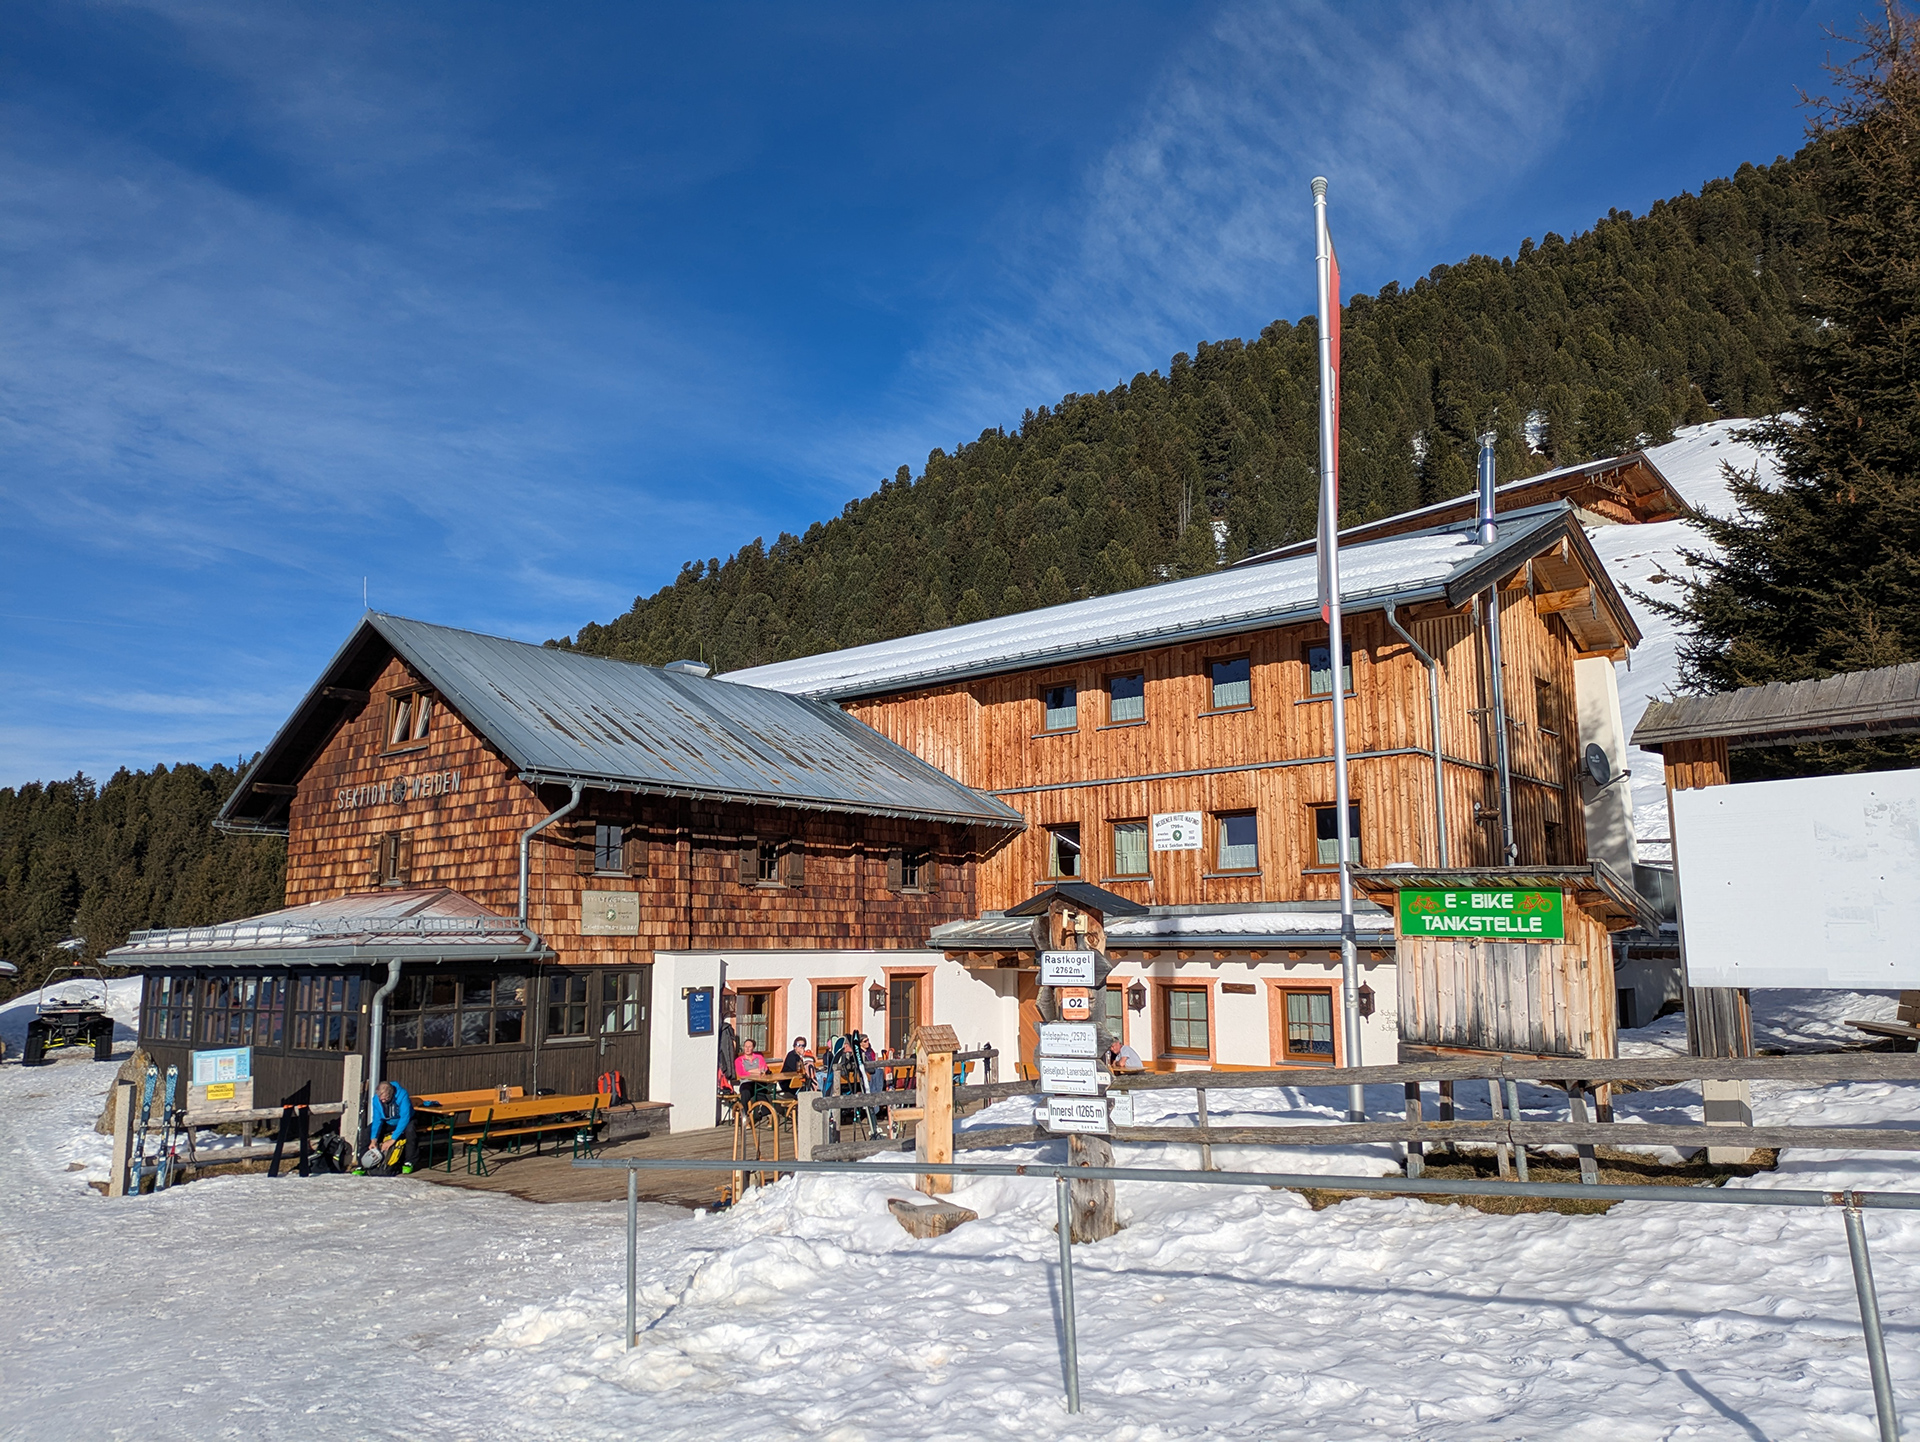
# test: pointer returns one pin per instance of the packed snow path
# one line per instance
(343, 1307)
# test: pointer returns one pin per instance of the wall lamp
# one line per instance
(1137, 997)
(1365, 999)
(876, 997)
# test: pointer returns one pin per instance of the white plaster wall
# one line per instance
(982, 1007)
(1609, 812)
(1241, 1023)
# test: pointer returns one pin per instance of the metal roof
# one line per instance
(431, 925)
(562, 716)
(1083, 894)
(1597, 884)
(1442, 564)
(1883, 701)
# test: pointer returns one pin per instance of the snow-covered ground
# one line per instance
(1647, 560)
(344, 1307)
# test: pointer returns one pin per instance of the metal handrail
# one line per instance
(1850, 1203)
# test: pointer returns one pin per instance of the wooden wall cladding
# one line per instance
(684, 864)
(1272, 757)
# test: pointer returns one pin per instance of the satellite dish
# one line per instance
(1599, 770)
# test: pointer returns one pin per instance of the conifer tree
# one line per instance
(1822, 574)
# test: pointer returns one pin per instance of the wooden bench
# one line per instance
(535, 1117)
(436, 1115)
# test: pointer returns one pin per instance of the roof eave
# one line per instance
(1012, 820)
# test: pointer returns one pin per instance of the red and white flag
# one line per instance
(1329, 534)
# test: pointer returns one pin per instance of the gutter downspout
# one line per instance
(1489, 532)
(379, 1024)
(526, 845)
(1433, 705)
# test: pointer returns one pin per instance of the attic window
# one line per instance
(409, 715)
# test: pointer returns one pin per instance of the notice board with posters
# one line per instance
(1813, 882)
(221, 1081)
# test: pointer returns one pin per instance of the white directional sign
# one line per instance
(1121, 1112)
(1066, 968)
(1077, 1114)
(1069, 1038)
(1071, 1077)
(1177, 831)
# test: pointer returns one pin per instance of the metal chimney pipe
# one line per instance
(1487, 529)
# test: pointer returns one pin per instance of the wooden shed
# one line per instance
(1511, 960)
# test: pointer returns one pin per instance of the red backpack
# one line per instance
(611, 1086)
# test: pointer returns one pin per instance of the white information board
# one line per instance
(1069, 1038)
(1070, 1076)
(1077, 1114)
(1177, 831)
(1067, 968)
(1806, 883)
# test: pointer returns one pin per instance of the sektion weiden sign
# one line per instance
(1495, 915)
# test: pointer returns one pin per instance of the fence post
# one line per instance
(351, 1072)
(809, 1128)
(1513, 1114)
(1416, 1154)
(1870, 1322)
(122, 1138)
(933, 1137)
(1206, 1146)
(1446, 1111)
(1577, 1111)
(1063, 1204)
(1502, 1153)
(633, 1247)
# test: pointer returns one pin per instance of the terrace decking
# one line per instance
(552, 1177)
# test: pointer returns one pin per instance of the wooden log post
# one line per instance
(1446, 1110)
(1095, 1214)
(1577, 1107)
(1502, 1153)
(352, 1103)
(122, 1139)
(1206, 1147)
(1416, 1160)
(933, 1049)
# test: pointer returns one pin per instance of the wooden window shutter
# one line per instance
(929, 874)
(403, 864)
(793, 864)
(893, 869)
(583, 840)
(634, 853)
(749, 861)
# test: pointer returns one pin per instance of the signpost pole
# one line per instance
(1063, 1205)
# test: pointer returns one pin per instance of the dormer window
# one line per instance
(409, 715)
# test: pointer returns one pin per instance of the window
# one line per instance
(1116, 1018)
(1126, 699)
(326, 1012)
(243, 1011)
(567, 1004)
(772, 861)
(753, 1019)
(1320, 670)
(409, 715)
(1129, 848)
(832, 1010)
(1239, 842)
(1308, 1034)
(1063, 851)
(623, 1001)
(396, 858)
(768, 869)
(447, 1009)
(913, 870)
(1063, 707)
(166, 1009)
(609, 849)
(1184, 1020)
(903, 1011)
(1546, 707)
(1326, 835)
(1232, 683)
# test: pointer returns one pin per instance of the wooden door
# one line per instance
(623, 1024)
(1029, 994)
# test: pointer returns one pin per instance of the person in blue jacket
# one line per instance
(390, 1116)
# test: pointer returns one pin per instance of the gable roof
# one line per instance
(1445, 563)
(1629, 489)
(560, 716)
(1883, 701)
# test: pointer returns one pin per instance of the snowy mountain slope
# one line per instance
(1647, 559)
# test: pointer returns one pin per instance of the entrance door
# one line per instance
(622, 1024)
(1028, 990)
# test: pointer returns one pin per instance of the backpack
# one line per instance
(612, 1086)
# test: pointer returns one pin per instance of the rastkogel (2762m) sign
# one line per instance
(1489, 914)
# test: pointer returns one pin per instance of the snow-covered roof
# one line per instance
(433, 924)
(1447, 563)
(1221, 926)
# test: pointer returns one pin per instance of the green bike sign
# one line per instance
(1492, 915)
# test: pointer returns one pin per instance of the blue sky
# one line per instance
(506, 311)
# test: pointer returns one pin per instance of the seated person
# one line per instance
(1121, 1057)
(798, 1065)
(751, 1063)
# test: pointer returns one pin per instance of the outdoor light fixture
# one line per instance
(1366, 999)
(876, 997)
(1137, 997)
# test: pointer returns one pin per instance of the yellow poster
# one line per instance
(220, 1092)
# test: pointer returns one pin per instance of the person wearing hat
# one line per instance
(390, 1116)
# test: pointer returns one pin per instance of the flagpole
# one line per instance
(1336, 641)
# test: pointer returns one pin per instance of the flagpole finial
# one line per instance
(1319, 187)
